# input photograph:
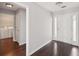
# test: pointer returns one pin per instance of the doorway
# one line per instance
(12, 29)
(66, 28)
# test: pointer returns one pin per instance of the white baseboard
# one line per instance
(39, 48)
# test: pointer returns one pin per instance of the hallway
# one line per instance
(56, 48)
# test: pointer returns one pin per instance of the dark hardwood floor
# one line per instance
(19, 51)
(10, 48)
(56, 48)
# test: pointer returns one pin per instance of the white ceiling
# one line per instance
(51, 6)
(14, 8)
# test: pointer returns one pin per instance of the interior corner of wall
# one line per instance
(29, 54)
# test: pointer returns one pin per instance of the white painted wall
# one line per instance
(21, 26)
(78, 28)
(65, 28)
(40, 27)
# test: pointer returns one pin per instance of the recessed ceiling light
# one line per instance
(59, 3)
(9, 5)
(63, 6)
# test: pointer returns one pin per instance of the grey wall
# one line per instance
(6, 17)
